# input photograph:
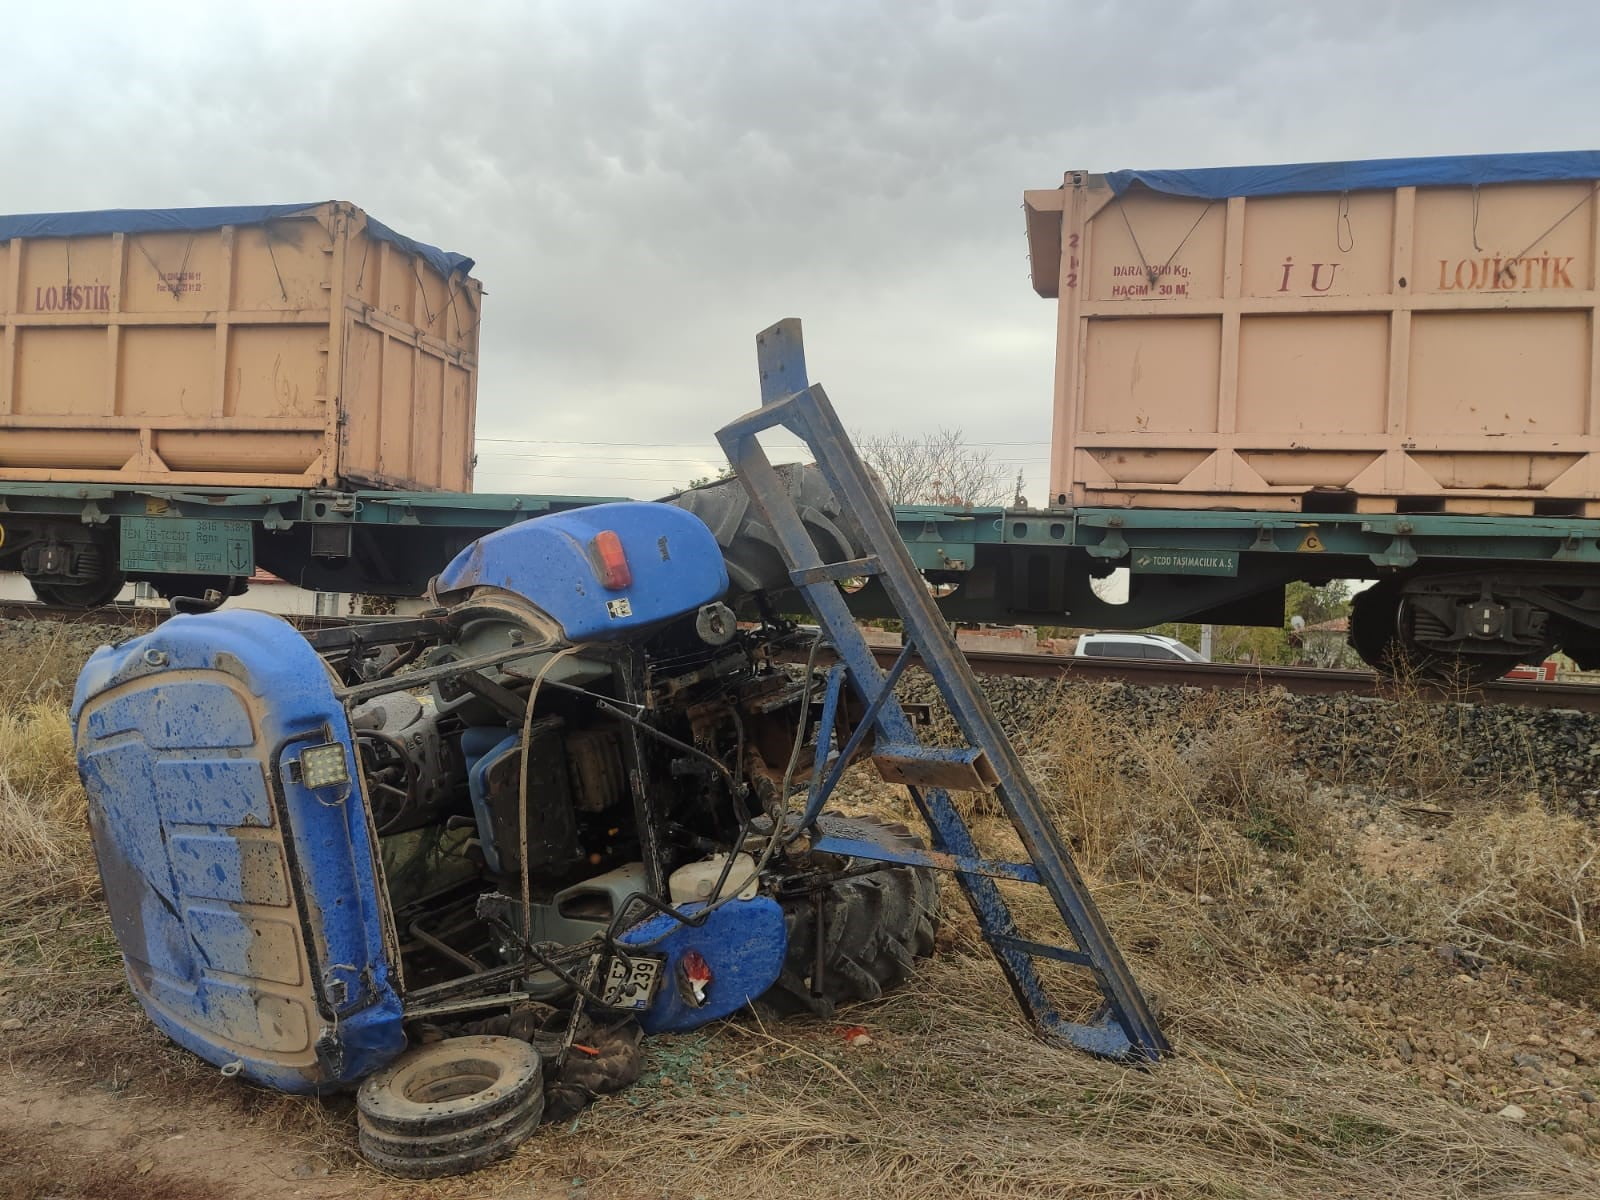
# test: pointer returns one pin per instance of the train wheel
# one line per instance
(1379, 635)
(1374, 625)
(90, 593)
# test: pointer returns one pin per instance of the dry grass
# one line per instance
(1266, 1097)
(1222, 872)
(41, 805)
(1207, 806)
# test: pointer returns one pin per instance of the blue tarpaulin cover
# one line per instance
(160, 220)
(1217, 183)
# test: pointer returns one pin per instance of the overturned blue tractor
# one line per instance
(465, 859)
(311, 844)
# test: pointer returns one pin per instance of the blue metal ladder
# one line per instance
(1124, 1027)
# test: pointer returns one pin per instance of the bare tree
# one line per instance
(937, 468)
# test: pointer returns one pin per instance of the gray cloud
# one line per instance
(645, 185)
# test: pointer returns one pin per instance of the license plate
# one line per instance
(631, 982)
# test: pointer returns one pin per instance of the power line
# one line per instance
(678, 481)
(651, 460)
(647, 458)
(677, 445)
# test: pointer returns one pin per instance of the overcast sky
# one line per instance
(644, 186)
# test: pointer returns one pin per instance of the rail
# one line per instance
(1310, 681)
(140, 615)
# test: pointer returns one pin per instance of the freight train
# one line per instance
(1264, 374)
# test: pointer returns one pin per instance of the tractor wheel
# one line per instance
(874, 926)
(750, 548)
(451, 1107)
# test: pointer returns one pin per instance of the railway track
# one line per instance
(136, 616)
(1310, 681)
(1141, 673)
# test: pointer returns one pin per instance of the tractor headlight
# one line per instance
(324, 766)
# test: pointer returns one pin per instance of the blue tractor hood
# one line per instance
(673, 562)
(244, 892)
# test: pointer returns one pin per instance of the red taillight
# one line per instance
(614, 572)
(695, 977)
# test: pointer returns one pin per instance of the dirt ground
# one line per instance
(55, 1137)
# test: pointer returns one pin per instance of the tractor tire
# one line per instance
(451, 1107)
(875, 926)
(755, 561)
(447, 1154)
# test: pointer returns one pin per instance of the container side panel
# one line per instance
(433, 302)
(67, 450)
(1493, 472)
(67, 275)
(1313, 374)
(1504, 238)
(364, 262)
(399, 390)
(363, 400)
(1152, 374)
(174, 272)
(465, 309)
(61, 370)
(1326, 245)
(397, 287)
(456, 446)
(289, 453)
(1125, 465)
(283, 264)
(1306, 469)
(1177, 240)
(427, 421)
(277, 371)
(1475, 373)
(166, 371)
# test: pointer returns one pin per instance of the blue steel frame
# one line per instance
(1125, 1028)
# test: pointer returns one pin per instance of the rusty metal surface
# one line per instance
(935, 767)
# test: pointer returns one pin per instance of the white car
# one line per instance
(1135, 645)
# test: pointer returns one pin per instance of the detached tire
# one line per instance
(875, 926)
(750, 548)
(451, 1107)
